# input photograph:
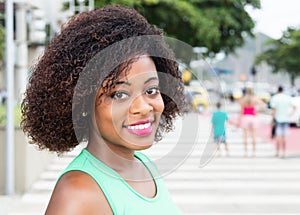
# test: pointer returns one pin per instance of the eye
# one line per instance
(153, 91)
(119, 95)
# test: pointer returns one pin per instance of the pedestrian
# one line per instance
(248, 119)
(282, 108)
(273, 128)
(98, 84)
(3, 96)
(218, 120)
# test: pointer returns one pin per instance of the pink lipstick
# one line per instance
(143, 128)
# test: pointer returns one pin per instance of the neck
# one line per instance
(117, 157)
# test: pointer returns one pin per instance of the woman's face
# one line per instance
(128, 116)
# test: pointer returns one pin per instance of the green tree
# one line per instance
(219, 25)
(283, 54)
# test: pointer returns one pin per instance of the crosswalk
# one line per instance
(202, 182)
(237, 186)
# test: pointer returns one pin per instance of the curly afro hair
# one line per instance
(53, 117)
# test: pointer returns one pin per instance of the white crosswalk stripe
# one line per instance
(261, 185)
(235, 185)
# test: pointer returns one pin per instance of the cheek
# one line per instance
(103, 115)
(159, 105)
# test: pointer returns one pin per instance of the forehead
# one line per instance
(140, 68)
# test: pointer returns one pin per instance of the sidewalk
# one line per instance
(34, 200)
(7, 203)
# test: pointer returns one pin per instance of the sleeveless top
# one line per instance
(249, 110)
(122, 198)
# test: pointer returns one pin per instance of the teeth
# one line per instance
(139, 127)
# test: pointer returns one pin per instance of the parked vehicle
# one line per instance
(198, 97)
(234, 91)
(263, 95)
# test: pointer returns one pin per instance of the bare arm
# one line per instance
(77, 193)
(241, 103)
(261, 105)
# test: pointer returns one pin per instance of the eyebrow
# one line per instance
(151, 79)
(129, 84)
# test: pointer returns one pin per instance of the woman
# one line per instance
(248, 120)
(100, 81)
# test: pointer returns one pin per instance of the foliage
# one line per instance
(17, 115)
(283, 54)
(219, 25)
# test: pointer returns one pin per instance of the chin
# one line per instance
(141, 146)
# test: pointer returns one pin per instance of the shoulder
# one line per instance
(224, 115)
(256, 100)
(214, 115)
(275, 96)
(289, 97)
(241, 101)
(77, 193)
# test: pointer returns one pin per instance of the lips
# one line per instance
(140, 128)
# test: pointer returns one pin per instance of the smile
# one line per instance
(141, 129)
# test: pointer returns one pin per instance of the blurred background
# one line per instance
(236, 44)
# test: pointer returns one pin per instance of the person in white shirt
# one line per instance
(282, 107)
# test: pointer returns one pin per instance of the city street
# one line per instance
(136, 62)
(201, 182)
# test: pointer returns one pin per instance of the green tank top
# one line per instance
(122, 198)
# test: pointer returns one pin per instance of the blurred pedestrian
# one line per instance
(188, 101)
(3, 96)
(282, 109)
(218, 120)
(273, 127)
(98, 83)
(248, 119)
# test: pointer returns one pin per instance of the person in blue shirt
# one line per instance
(218, 121)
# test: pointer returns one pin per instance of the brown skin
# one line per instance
(113, 144)
(77, 193)
(47, 105)
(52, 119)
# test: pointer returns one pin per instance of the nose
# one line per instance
(140, 105)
